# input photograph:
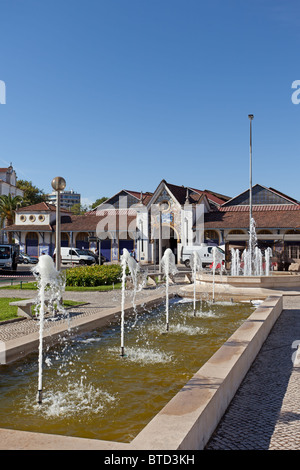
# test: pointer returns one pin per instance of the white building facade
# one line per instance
(8, 181)
(67, 198)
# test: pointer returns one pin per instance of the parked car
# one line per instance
(204, 251)
(26, 259)
(75, 255)
(103, 259)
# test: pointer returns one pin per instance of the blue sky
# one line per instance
(119, 94)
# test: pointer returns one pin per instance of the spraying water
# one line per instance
(217, 260)
(235, 262)
(134, 268)
(169, 267)
(252, 257)
(196, 266)
(268, 254)
(50, 289)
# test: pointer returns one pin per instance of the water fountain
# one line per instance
(235, 262)
(93, 393)
(250, 275)
(251, 262)
(168, 266)
(217, 263)
(50, 289)
(93, 357)
(196, 266)
(268, 255)
(134, 268)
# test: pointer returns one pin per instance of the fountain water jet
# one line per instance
(268, 255)
(127, 260)
(252, 257)
(235, 262)
(196, 266)
(50, 288)
(169, 267)
(217, 259)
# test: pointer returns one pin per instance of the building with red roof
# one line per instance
(176, 215)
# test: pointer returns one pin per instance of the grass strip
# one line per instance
(33, 286)
(9, 312)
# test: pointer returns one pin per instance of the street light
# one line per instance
(58, 184)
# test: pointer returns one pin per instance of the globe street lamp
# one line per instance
(58, 184)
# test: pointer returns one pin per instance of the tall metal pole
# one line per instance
(57, 233)
(250, 116)
(58, 184)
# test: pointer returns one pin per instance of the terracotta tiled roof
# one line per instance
(28, 228)
(261, 208)
(217, 199)
(41, 206)
(195, 195)
(89, 223)
(80, 223)
(264, 216)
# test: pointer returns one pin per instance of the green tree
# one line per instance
(8, 206)
(99, 201)
(32, 194)
(78, 209)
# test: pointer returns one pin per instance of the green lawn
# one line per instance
(32, 286)
(8, 312)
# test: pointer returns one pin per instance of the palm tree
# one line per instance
(8, 206)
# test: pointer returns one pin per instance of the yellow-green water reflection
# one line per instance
(90, 391)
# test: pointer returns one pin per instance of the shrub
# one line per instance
(96, 275)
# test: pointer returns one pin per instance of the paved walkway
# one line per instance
(91, 303)
(265, 412)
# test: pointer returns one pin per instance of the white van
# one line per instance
(75, 255)
(205, 252)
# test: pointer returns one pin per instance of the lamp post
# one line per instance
(58, 184)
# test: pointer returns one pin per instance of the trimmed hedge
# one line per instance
(96, 275)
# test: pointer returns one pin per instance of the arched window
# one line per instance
(211, 236)
(264, 232)
(65, 239)
(32, 244)
(236, 232)
(82, 240)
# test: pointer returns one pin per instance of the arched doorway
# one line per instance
(65, 239)
(32, 244)
(169, 239)
(82, 240)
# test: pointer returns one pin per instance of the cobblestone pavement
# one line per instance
(92, 302)
(265, 412)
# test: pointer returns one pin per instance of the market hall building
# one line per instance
(277, 220)
(170, 217)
